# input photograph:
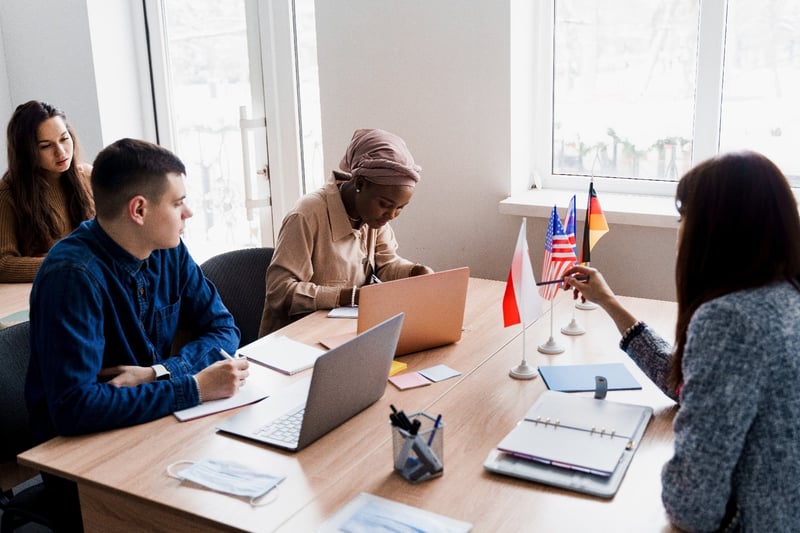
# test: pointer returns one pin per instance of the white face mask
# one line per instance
(228, 477)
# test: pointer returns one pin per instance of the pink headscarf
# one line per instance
(381, 158)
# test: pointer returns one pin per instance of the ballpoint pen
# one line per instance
(561, 280)
(435, 427)
(227, 355)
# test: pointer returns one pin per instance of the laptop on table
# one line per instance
(345, 381)
(433, 305)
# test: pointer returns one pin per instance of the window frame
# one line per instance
(270, 33)
(534, 171)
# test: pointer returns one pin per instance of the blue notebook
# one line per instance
(580, 378)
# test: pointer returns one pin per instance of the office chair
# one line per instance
(240, 278)
(26, 502)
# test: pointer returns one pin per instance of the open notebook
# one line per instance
(574, 442)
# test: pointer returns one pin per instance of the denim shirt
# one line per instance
(94, 306)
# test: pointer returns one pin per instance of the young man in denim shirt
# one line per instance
(107, 303)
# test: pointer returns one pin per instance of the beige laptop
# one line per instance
(433, 305)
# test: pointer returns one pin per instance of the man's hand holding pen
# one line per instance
(223, 378)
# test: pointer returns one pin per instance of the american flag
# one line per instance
(559, 255)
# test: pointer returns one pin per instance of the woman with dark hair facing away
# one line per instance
(44, 193)
(338, 238)
(735, 365)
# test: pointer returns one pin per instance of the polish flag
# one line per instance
(521, 301)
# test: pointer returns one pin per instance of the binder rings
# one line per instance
(573, 442)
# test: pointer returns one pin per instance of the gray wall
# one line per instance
(436, 73)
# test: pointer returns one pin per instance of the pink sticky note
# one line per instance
(409, 380)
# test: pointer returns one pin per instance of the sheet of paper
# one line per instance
(439, 372)
(409, 380)
(281, 353)
(367, 513)
(255, 388)
(343, 312)
(581, 378)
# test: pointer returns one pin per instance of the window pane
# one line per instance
(760, 110)
(209, 80)
(624, 87)
(308, 88)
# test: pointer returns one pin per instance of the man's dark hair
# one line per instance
(130, 167)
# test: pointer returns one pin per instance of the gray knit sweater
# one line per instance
(737, 432)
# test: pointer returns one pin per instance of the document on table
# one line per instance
(367, 513)
(581, 378)
(282, 353)
(255, 388)
(344, 311)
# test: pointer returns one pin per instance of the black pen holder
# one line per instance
(419, 457)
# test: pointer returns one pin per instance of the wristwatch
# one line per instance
(161, 372)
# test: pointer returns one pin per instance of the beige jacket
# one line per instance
(318, 253)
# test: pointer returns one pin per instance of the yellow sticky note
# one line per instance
(397, 366)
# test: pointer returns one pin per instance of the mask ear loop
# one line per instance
(255, 501)
(170, 473)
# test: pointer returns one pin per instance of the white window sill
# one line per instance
(627, 209)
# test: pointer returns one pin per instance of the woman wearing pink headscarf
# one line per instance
(337, 238)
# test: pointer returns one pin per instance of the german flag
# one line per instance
(595, 225)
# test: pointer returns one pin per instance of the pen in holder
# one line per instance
(419, 453)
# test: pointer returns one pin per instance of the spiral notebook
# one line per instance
(574, 442)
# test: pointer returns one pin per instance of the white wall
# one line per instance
(51, 54)
(437, 74)
(434, 72)
(49, 57)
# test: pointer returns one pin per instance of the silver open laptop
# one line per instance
(433, 305)
(345, 381)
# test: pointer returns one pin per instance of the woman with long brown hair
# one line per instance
(735, 365)
(44, 193)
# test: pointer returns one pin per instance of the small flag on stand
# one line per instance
(594, 227)
(570, 224)
(521, 301)
(559, 255)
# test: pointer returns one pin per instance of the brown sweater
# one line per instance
(14, 267)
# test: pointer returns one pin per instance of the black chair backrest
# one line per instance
(240, 278)
(15, 351)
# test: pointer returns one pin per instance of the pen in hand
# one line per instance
(232, 358)
(226, 355)
(561, 280)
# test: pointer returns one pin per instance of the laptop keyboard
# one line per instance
(284, 429)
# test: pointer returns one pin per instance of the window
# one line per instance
(762, 81)
(633, 94)
(227, 82)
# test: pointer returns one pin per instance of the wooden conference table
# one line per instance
(123, 484)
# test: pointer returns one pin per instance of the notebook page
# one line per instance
(584, 413)
(281, 353)
(565, 447)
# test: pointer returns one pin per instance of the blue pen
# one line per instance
(435, 427)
